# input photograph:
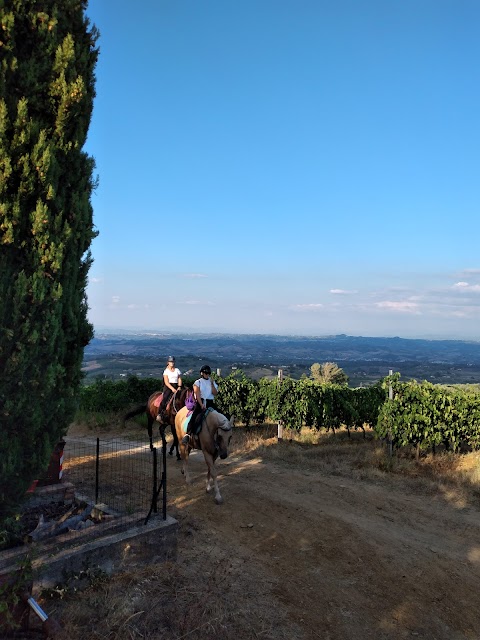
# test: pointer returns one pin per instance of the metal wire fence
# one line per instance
(126, 477)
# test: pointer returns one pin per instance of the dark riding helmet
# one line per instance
(206, 369)
(170, 359)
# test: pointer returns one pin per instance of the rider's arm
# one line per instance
(198, 396)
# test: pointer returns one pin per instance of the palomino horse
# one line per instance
(213, 440)
(176, 402)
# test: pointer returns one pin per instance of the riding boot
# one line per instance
(190, 430)
(161, 416)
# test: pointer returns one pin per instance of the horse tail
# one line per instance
(140, 408)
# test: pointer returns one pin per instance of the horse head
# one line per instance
(224, 434)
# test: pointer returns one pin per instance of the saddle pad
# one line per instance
(157, 401)
(185, 423)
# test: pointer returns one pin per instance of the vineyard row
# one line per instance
(410, 413)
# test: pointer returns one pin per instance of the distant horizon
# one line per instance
(183, 332)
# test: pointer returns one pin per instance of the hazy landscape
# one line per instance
(364, 359)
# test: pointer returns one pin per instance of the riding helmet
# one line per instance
(206, 369)
(170, 359)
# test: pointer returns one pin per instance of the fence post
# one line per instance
(280, 425)
(155, 479)
(219, 372)
(164, 474)
(97, 470)
(390, 398)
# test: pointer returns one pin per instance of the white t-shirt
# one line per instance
(173, 376)
(205, 387)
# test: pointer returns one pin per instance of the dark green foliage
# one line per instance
(426, 415)
(420, 414)
(236, 397)
(106, 395)
(294, 402)
(48, 56)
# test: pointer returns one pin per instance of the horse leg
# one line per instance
(212, 477)
(174, 443)
(184, 456)
(149, 429)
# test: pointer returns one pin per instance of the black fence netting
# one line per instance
(124, 477)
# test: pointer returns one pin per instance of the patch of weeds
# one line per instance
(12, 589)
(11, 532)
(74, 581)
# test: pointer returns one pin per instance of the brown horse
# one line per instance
(213, 440)
(176, 402)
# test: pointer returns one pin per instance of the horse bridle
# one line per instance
(174, 406)
(228, 427)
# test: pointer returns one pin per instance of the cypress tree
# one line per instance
(48, 54)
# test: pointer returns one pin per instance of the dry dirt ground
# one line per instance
(305, 546)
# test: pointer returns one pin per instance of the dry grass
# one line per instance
(357, 455)
(360, 456)
(163, 603)
(191, 598)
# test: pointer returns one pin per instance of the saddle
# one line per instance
(158, 401)
(197, 427)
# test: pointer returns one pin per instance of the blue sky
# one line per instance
(287, 167)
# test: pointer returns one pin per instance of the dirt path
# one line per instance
(338, 559)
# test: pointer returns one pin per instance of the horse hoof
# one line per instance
(170, 453)
(219, 500)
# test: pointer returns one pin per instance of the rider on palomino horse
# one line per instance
(205, 390)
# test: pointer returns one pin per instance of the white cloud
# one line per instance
(195, 275)
(342, 292)
(198, 302)
(471, 272)
(465, 287)
(401, 306)
(95, 280)
(307, 307)
(115, 299)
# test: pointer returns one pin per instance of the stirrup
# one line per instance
(160, 418)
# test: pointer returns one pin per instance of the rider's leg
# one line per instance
(161, 410)
(190, 426)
